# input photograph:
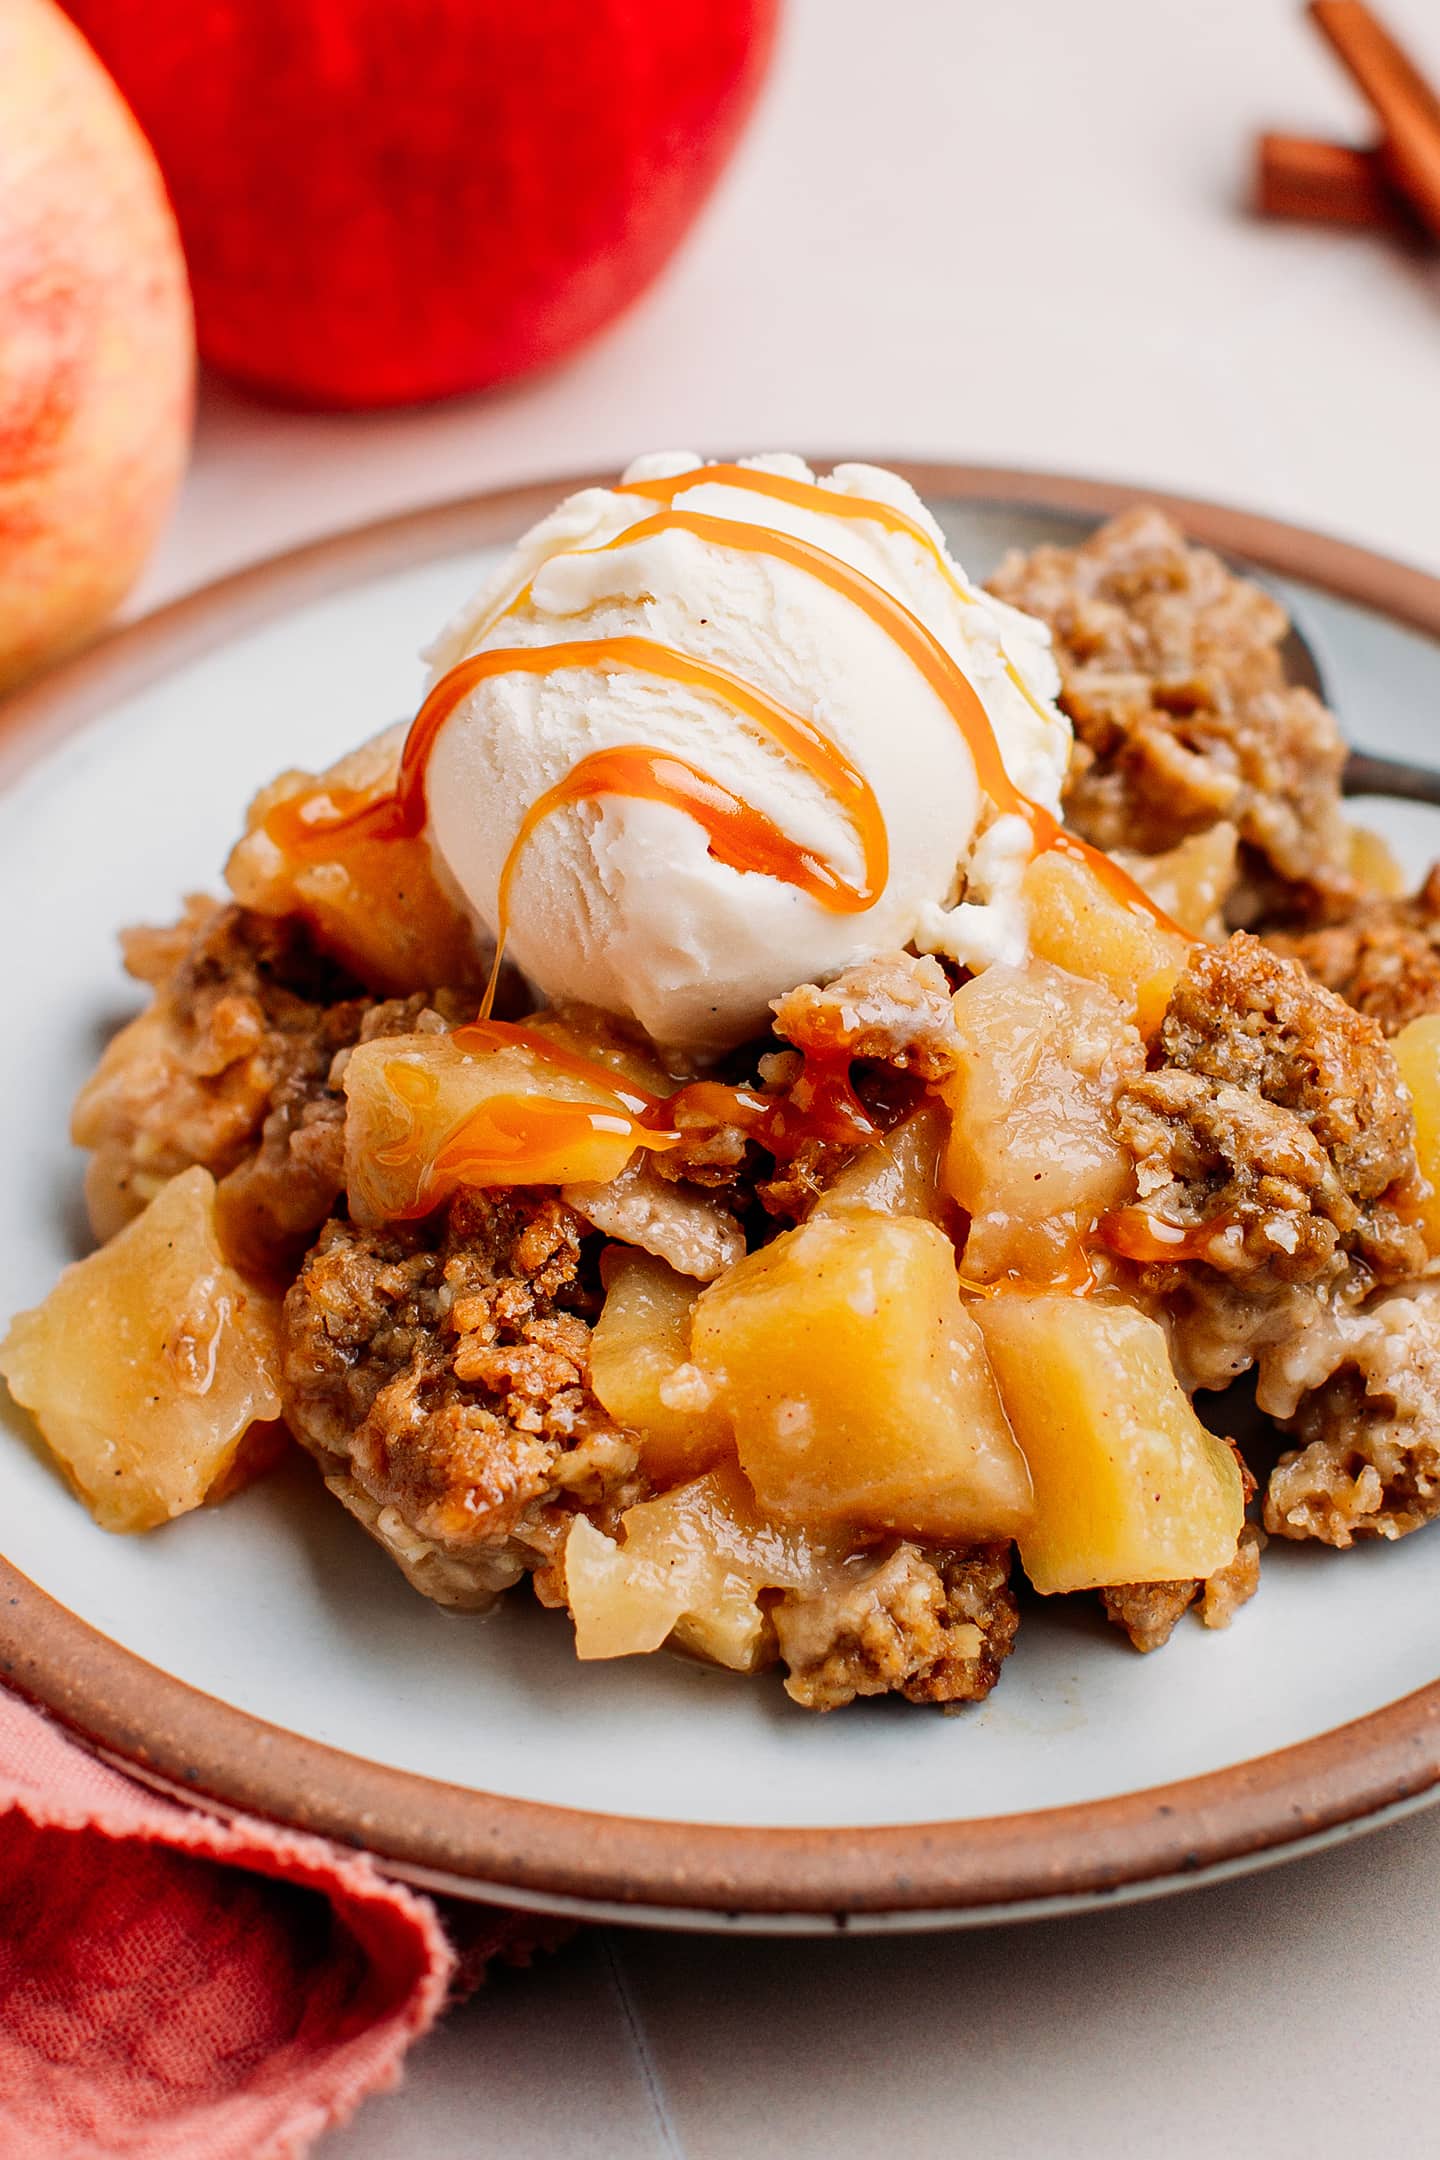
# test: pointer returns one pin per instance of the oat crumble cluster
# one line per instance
(1212, 1156)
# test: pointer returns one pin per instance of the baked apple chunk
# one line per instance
(150, 1364)
(857, 1383)
(641, 1370)
(1033, 1158)
(1078, 925)
(1129, 1485)
(1417, 1053)
(425, 1117)
(898, 1175)
(379, 906)
(690, 1569)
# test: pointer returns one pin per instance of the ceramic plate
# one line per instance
(266, 1656)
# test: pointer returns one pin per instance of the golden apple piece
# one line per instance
(378, 903)
(1417, 1053)
(641, 1371)
(858, 1384)
(150, 1365)
(1375, 865)
(425, 1117)
(1192, 880)
(690, 1568)
(1129, 1485)
(1078, 924)
(1032, 1157)
(584, 1031)
(620, 1609)
(899, 1175)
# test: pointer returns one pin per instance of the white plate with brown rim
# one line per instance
(265, 1656)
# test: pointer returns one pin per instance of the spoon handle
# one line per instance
(1367, 775)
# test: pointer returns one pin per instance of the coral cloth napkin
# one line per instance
(189, 1989)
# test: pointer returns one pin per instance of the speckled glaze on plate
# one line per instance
(265, 1656)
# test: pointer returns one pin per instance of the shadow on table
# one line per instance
(1286, 2013)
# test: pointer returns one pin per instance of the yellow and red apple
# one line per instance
(96, 343)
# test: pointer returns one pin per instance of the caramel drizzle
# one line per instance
(940, 671)
(939, 668)
(1075, 1278)
(974, 720)
(820, 1104)
(809, 495)
(523, 1132)
(530, 1133)
(479, 1037)
(508, 1139)
(740, 834)
(1150, 1241)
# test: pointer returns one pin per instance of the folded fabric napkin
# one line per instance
(177, 1986)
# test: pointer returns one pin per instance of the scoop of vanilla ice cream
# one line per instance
(619, 902)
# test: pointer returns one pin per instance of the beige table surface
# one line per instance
(1004, 230)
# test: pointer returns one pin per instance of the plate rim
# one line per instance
(210, 1751)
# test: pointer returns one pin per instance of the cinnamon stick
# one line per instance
(1324, 182)
(1403, 101)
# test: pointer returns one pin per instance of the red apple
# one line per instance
(96, 346)
(390, 200)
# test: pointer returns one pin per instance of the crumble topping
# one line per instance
(932, 1625)
(243, 1005)
(441, 1370)
(1173, 677)
(894, 1009)
(233, 1067)
(1278, 1119)
(1150, 1612)
(685, 1226)
(1240, 1015)
(1368, 1424)
(1382, 957)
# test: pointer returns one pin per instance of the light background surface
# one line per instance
(1004, 230)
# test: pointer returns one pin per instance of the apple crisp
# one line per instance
(836, 1353)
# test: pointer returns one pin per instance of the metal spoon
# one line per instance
(1364, 772)
(1367, 775)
